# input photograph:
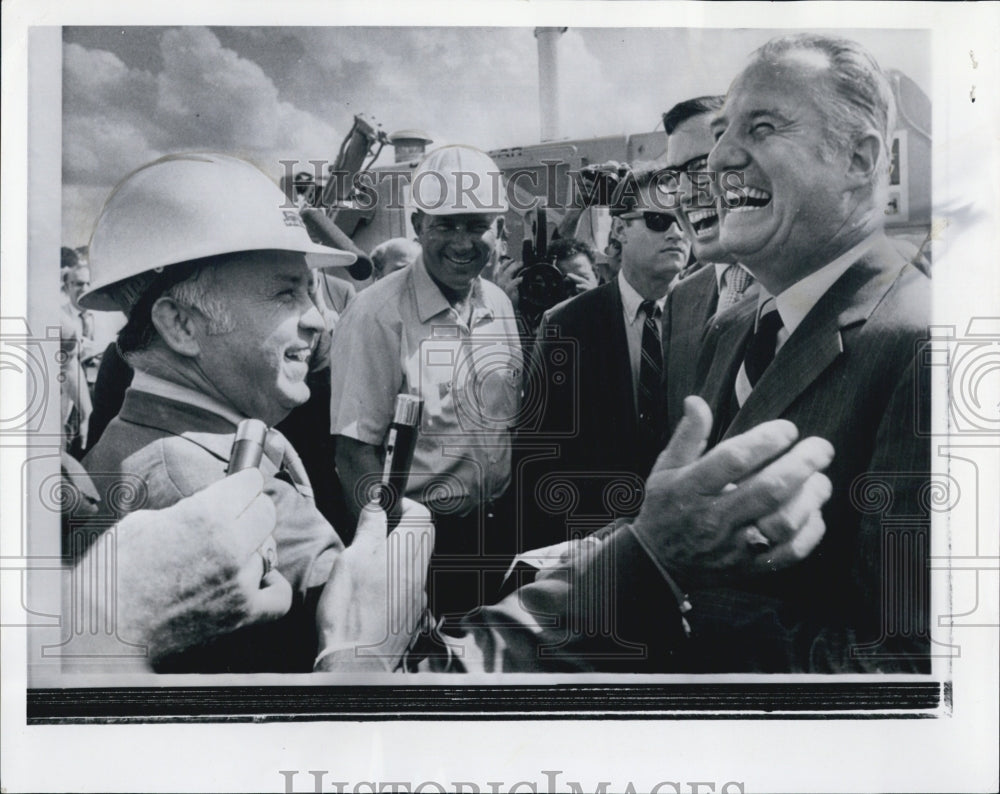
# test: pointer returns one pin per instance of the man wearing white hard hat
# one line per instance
(439, 331)
(222, 321)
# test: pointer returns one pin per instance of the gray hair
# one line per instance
(862, 99)
(192, 284)
(200, 292)
(402, 246)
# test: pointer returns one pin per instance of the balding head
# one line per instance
(856, 96)
(394, 254)
(801, 152)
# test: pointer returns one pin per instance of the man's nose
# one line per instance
(464, 240)
(727, 154)
(312, 319)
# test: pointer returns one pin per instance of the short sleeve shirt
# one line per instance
(401, 336)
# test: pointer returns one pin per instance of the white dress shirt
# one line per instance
(795, 302)
(634, 320)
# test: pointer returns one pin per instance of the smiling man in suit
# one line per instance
(834, 344)
(721, 282)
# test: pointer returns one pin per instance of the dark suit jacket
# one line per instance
(581, 458)
(850, 373)
(690, 306)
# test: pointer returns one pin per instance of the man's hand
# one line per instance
(373, 600)
(192, 571)
(582, 282)
(507, 279)
(750, 505)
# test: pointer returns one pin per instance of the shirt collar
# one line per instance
(632, 300)
(151, 384)
(432, 302)
(795, 302)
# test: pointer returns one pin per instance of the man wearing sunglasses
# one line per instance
(720, 282)
(605, 416)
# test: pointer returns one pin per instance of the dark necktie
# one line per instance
(760, 350)
(650, 393)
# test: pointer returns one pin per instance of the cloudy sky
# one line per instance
(269, 94)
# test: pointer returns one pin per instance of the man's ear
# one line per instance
(416, 220)
(617, 229)
(864, 160)
(176, 325)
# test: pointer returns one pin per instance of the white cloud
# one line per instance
(270, 94)
(206, 97)
(469, 85)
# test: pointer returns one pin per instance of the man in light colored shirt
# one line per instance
(439, 331)
(79, 351)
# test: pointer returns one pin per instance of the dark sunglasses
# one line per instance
(655, 221)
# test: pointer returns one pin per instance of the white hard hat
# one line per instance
(189, 206)
(458, 180)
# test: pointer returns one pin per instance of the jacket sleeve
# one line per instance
(606, 608)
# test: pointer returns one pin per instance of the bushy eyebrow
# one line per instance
(292, 279)
(769, 113)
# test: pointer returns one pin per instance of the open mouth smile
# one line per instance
(747, 199)
(299, 355)
(703, 221)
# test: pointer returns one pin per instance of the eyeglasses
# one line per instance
(655, 221)
(668, 181)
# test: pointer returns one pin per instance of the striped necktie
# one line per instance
(650, 391)
(735, 282)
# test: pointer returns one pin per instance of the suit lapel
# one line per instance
(618, 362)
(801, 360)
(703, 303)
(720, 358)
(817, 343)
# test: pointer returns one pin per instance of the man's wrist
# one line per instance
(669, 578)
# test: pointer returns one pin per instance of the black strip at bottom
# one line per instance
(476, 702)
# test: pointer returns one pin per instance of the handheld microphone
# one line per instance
(399, 448)
(247, 453)
(248, 446)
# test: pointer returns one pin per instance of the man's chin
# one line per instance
(743, 244)
(291, 398)
(710, 250)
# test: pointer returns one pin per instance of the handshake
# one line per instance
(193, 571)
